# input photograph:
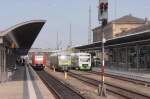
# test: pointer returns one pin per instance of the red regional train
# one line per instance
(38, 60)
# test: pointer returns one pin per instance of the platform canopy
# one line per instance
(23, 35)
(142, 36)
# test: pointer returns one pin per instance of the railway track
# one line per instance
(132, 80)
(125, 93)
(60, 90)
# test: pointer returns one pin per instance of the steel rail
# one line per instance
(60, 90)
(126, 93)
(128, 79)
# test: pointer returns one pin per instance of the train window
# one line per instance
(84, 59)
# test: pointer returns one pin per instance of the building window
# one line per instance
(123, 29)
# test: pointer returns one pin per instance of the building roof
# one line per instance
(126, 19)
(40, 50)
(129, 19)
(142, 36)
(24, 34)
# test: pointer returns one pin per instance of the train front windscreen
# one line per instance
(85, 58)
(64, 60)
(38, 59)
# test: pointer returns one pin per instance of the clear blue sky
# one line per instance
(60, 13)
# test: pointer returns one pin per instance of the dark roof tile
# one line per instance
(126, 19)
(129, 19)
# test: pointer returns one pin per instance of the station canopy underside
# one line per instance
(24, 34)
(143, 36)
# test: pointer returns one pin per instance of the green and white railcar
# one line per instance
(81, 61)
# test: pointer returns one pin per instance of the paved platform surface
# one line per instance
(143, 76)
(21, 87)
(132, 73)
(14, 89)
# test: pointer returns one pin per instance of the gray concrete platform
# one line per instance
(144, 76)
(14, 89)
(24, 84)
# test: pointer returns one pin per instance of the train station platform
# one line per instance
(144, 76)
(24, 84)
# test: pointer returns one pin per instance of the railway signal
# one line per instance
(102, 17)
(103, 10)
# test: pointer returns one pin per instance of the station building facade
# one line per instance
(126, 50)
(117, 27)
(134, 55)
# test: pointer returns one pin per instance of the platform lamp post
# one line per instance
(102, 18)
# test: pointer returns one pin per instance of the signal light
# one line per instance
(103, 10)
(102, 5)
(106, 6)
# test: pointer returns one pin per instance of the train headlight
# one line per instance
(62, 57)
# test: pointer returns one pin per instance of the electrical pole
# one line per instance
(57, 42)
(70, 36)
(89, 28)
(103, 17)
(115, 9)
(115, 13)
